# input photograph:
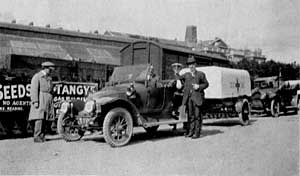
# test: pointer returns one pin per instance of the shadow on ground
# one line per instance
(226, 122)
(163, 134)
(15, 135)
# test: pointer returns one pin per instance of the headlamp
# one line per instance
(89, 106)
(64, 107)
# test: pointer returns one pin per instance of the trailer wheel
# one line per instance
(244, 115)
(275, 108)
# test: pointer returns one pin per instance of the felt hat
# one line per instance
(190, 60)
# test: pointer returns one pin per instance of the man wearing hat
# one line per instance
(193, 97)
(41, 100)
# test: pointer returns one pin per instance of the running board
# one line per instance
(163, 122)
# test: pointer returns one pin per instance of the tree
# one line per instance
(269, 68)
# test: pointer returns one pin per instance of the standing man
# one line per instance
(41, 100)
(193, 97)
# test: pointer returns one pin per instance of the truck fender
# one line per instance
(111, 101)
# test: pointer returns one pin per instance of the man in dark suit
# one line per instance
(193, 97)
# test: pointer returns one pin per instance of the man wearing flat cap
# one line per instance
(41, 100)
(193, 97)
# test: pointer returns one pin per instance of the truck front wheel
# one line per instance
(117, 127)
(68, 128)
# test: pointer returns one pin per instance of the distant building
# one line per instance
(216, 46)
(237, 55)
(220, 47)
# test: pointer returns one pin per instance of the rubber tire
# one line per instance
(273, 113)
(151, 130)
(66, 136)
(107, 125)
(245, 117)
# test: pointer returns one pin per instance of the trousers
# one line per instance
(194, 118)
(39, 129)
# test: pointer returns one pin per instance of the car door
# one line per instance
(155, 92)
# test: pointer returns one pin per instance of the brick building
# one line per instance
(79, 55)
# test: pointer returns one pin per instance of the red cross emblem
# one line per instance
(237, 85)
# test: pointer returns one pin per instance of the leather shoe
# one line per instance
(39, 140)
(188, 134)
(195, 136)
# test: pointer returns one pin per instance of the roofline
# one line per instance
(65, 32)
(176, 48)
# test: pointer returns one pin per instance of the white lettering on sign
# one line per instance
(15, 91)
(68, 89)
(6, 92)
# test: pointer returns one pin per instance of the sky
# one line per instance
(272, 25)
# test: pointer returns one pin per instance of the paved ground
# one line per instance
(267, 147)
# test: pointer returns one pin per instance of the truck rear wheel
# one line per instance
(117, 127)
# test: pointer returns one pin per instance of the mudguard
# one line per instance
(125, 103)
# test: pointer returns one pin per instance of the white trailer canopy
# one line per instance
(225, 82)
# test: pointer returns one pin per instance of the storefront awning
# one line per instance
(37, 49)
(67, 51)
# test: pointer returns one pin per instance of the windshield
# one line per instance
(130, 73)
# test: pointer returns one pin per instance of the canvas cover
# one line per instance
(225, 82)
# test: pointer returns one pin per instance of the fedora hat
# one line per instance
(190, 60)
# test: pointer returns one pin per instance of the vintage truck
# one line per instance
(275, 98)
(135, 97)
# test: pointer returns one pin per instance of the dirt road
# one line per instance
(266, 147)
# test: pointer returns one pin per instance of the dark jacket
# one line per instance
(188, 91)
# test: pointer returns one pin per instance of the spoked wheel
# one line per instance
(275, 108)
(68, 128)
(244, 115)
(117, 127)
(151, 130)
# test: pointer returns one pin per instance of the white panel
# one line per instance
(225, 82)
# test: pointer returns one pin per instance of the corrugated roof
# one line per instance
(189, 51)
(270, 78)
(63, 32)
